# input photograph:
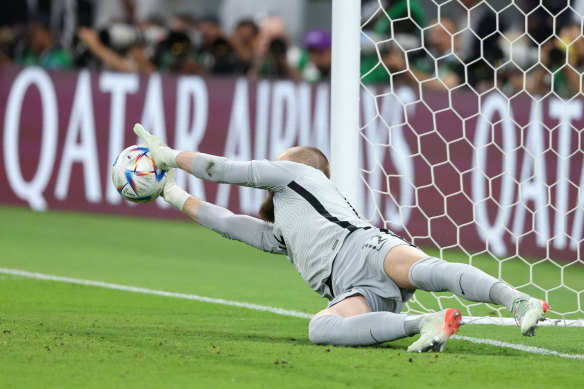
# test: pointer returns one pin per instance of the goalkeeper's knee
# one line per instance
(435, 275)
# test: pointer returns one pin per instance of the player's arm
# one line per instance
(262, 174)
(246, 229)
(257, 174)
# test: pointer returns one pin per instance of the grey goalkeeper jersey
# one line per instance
(312, 218)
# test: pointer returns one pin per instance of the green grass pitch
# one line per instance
(60, 335)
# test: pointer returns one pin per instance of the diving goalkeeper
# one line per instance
(366, 273)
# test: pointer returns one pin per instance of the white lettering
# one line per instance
(399, 214)
(119, 85)
(31, 191)
(82, 126)
(315, 132)
(283, 134)
(492, 233)
(191, 93)
(380, 131)
(153, 118)
(565, 112)
(261, 131)
(578, 223)
(238, 145)
(262, 118)
(371, 206)
(532, 183)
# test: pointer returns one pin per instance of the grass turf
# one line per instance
(64, 335)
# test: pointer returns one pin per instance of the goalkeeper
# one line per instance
(366, 273)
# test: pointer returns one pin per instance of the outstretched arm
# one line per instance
(262, 174)
(246, 229)
(257, 174)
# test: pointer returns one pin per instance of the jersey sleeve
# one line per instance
(246, 229)
(262, 174)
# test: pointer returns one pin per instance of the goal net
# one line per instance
(472, 142)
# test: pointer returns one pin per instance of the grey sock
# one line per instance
(435, 275)
(412, 324)
(360, 330)
(503, 294)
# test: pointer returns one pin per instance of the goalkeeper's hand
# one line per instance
(174, 195)
(163, 156)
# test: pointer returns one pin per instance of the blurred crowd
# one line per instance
(185, 43)
(525, 46)
(535, 46)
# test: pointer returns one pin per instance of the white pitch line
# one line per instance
(257, 307)
(520, 347)
(135, 289)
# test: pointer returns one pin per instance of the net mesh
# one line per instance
(471, 117)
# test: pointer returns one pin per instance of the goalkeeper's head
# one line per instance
(307, 155)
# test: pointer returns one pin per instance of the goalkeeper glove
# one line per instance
(174, 195)
(163, 156)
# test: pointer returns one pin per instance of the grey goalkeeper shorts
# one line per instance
(358, 269)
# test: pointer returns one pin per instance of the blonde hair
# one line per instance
(307, 155)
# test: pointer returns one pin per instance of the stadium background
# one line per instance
(67, 106)
(210, 94)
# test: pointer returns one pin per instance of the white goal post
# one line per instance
(475, 159)
(346, 32)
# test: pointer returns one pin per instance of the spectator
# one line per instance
(542, 15)
(436, 67)
(108, 12)
(216, 53)
(244, 40)
(480, 30)
(272, 50)
(572, 42)
(315, 63)
(291, 12)
(405, 17)
(439, 69)
(561, 65)
(126, 39)
(176, 54)
(389, 68)
(401, 22)
(9, 37)
(389, 65)
(41, 48)
(187, 24)
(512, 80)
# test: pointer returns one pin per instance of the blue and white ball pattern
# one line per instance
(136, 176)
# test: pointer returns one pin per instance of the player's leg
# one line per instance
(351, 323)
(410, 268)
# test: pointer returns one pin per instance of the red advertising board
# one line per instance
(453, 170)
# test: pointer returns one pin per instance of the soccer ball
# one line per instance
(136, 176)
